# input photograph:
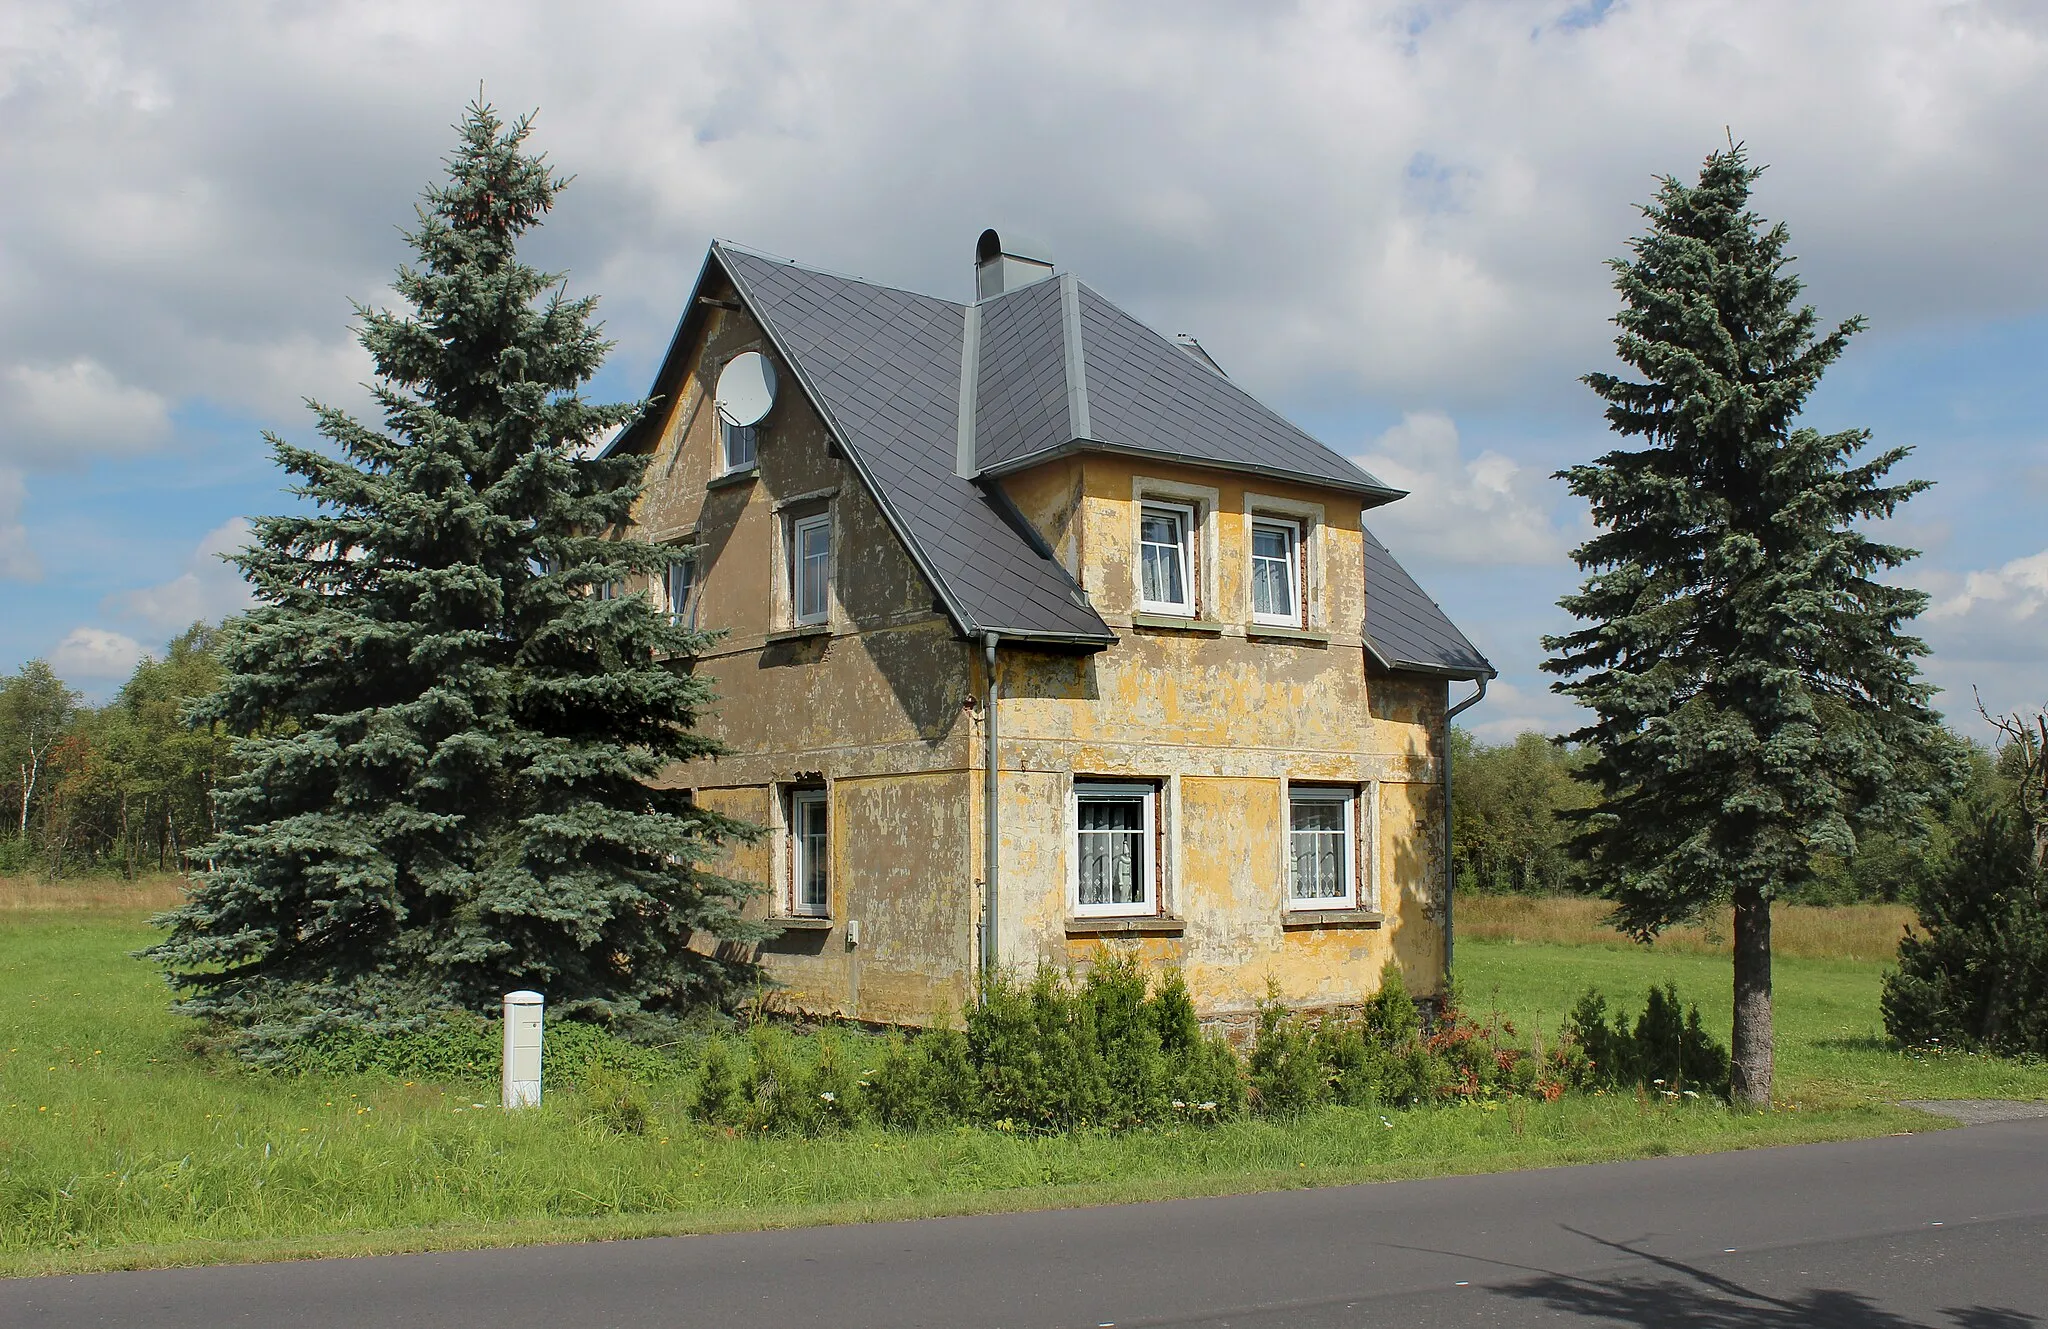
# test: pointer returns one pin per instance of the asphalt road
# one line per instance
(1946, 1229)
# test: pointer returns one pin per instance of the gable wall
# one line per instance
(872, 708)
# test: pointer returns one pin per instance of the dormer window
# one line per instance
(1276, 572)
(1166, 581)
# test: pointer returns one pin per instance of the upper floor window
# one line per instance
(810, 568)
(739, 445)
(1116, 869)
(680, 586)
(1166, 580)
(1322, 872)
(1276, 572)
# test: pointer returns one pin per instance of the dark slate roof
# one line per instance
(1148, 394)
(1021, 389)
(1406, 629)
(883, 367)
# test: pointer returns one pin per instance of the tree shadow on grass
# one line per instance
(1702, 1300)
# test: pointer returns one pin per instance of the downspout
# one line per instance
(1450, 869)
(991, 831)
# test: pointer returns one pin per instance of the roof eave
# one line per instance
(1434, 669)
(1372, 496)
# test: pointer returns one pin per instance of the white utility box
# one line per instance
(522, 1048)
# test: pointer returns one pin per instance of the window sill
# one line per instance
(1306, 636)
(1109, 926)
(798, 634)
(733, 478)
(800, 923)
(1207, 627)
(1332, 918)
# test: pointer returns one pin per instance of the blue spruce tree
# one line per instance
(1755, 693)
(451, 721)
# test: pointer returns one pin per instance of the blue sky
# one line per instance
(1388, 220)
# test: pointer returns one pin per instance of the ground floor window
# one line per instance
(1116, 860)
(810, 855)
(1322, 847)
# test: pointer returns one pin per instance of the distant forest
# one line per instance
(114, 790)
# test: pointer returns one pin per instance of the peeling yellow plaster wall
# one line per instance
(1221, 718)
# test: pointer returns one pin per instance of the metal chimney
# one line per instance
(1006, 263)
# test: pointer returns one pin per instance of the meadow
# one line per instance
(121, 1148)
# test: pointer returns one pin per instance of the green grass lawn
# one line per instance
(119, 1149)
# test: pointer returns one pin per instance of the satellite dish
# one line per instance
(746, 389)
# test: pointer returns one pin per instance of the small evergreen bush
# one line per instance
(717, 1098)
(615, 1102)
(1979, 977)
(1667, 1048)
(924, 1083)
(1285, 1074)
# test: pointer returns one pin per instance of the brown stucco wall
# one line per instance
(872, 706)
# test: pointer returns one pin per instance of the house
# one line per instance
(1040, 633)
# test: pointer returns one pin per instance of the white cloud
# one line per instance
(95, 653)
(49, 411)
(208, 589)
(2014, 596)
(18, 561)
(1988, 630)
(1487, 510)
(1415, 198)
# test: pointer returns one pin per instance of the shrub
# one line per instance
(1286, 1075)
(1133, 1076)
(1667, 1048)
(463, 1048)
(1978, 978)
(717, 1099)
(615, 1102)
(775, 1092)
(924, 1083)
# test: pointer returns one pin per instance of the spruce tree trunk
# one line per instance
(1751, 1046)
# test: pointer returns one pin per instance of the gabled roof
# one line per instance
(1140, 394)
(883, 368)
(1055, 368)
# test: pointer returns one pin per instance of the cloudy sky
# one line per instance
(1388, 220)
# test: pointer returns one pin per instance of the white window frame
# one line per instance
(730, 434)
(1149, 866)
(800, 800)
(1348, 797)
(1189, 518)
(1297, 585)
(683, 615)
(798, 528)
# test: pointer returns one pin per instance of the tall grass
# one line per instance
(151, 894)
(1865, 932)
